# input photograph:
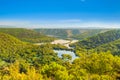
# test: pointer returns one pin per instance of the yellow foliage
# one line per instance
(14, 74)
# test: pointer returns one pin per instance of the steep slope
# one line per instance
(27, 35)
(12, 49)
(88, 33)
(113, 46)
(9, 44)
(102, 38)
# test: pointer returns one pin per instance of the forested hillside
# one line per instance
(71, 33)
(88, 33)
(59, 33)
(10, 47)
(18, 58)
(9, 44)
(27, 35)
(113, 47)
(23, 61)
(97, 40)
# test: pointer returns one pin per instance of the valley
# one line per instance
(59, 39)
(65, 43)
(28, 53)
(78, 34)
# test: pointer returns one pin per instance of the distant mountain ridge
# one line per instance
(27, 35)
(71, 33)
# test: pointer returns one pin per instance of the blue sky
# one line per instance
(60, 13)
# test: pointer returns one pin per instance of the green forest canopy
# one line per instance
(24, 61)
(27, 35)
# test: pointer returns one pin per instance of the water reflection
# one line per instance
(60, 52)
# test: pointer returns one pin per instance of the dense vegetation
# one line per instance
(103, 42)
(71, 33)
(12, 49)
(24, 61)
(59, 33)
(113, 46)
(99, 39)
(27, 35)
(88, 33)
(9, 44)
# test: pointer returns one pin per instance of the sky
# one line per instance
(60, 13)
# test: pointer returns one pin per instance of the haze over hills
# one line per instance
(79, 33)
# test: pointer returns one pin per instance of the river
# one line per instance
(64, 43)
(60, 52)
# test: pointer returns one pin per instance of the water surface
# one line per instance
(60, 52)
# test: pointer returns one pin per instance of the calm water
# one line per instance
(60, 52)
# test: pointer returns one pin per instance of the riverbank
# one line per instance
(64, 42)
